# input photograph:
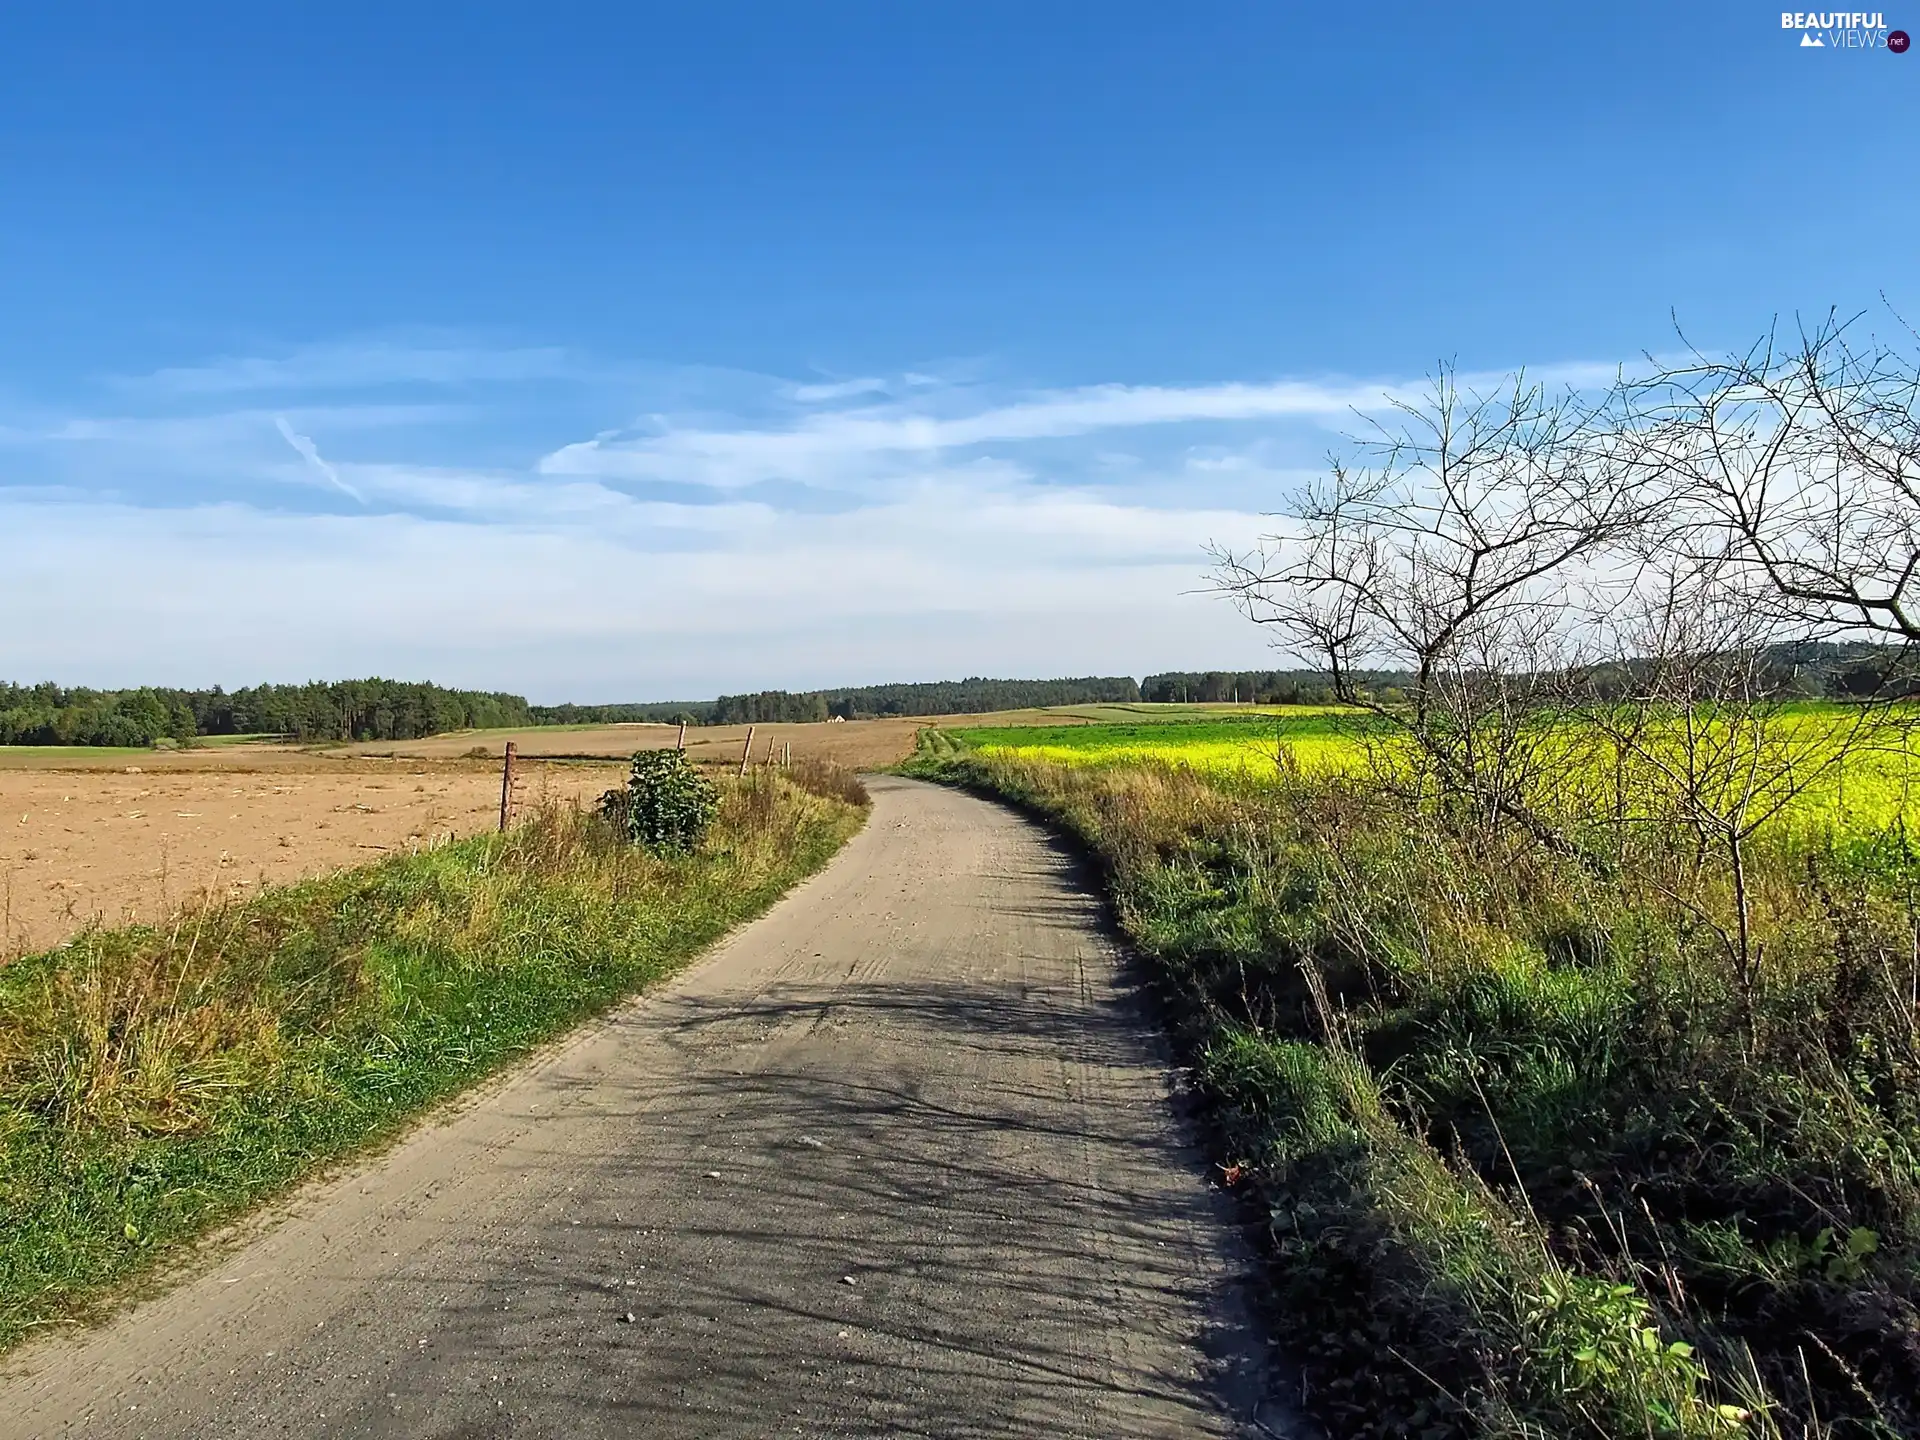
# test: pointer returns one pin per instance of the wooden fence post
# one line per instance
(746, 751)
(683, 736)
(506, 787)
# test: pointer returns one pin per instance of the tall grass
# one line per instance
(1537, 1161)
(155, 1081)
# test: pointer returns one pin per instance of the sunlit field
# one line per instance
(1877, 786)
(1316, 739)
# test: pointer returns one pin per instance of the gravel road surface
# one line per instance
(901, 1158)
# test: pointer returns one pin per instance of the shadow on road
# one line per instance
(968, 1230)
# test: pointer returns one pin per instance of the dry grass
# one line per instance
(828, 779)
(1539, 1160)
(156, 1080)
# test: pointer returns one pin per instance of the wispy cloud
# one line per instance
(941, 418)
(838, 390)
(359, 365)
(748, 531)
(310, 452)
(817, 444)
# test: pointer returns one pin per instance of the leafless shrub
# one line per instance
(1468, 545)
(1706, 738)
(1800, 460)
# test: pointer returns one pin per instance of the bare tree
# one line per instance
(1465, 545)
(1556, 573)
(1799, 459)
(1710, 736)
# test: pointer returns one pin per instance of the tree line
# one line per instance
(377, 709)
(371, 709)
(1249, 687)
(975, 695)
(1816, 669)
(651, 712)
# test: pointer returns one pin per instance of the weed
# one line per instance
(1540, 1159)
(827, 779)
(155, 1081)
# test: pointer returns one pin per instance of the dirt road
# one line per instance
(901, 1158)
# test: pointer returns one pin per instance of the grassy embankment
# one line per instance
(1536, 1162)
(155, 1082)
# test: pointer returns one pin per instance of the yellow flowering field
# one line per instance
(1877, 785)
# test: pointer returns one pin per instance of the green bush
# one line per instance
(667, 804)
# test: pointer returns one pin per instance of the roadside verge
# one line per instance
(156, 1082)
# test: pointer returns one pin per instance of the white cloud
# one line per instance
(303, 446)
(935, 582)
(838, 390)
(358, 365)
(754, 532)
(823, 445)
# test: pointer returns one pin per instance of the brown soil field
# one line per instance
(80, 846)
(859, 744)
(115, 836)
(110, 837)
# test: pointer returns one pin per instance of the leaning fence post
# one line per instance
(506, 787)
(683, 736)
(746, 750)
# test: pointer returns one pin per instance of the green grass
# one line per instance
(157, 1082)
(73, 752)
(1535, 1161)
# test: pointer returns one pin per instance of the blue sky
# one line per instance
(607, 352)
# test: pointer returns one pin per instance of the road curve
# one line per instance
(900, 1158)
